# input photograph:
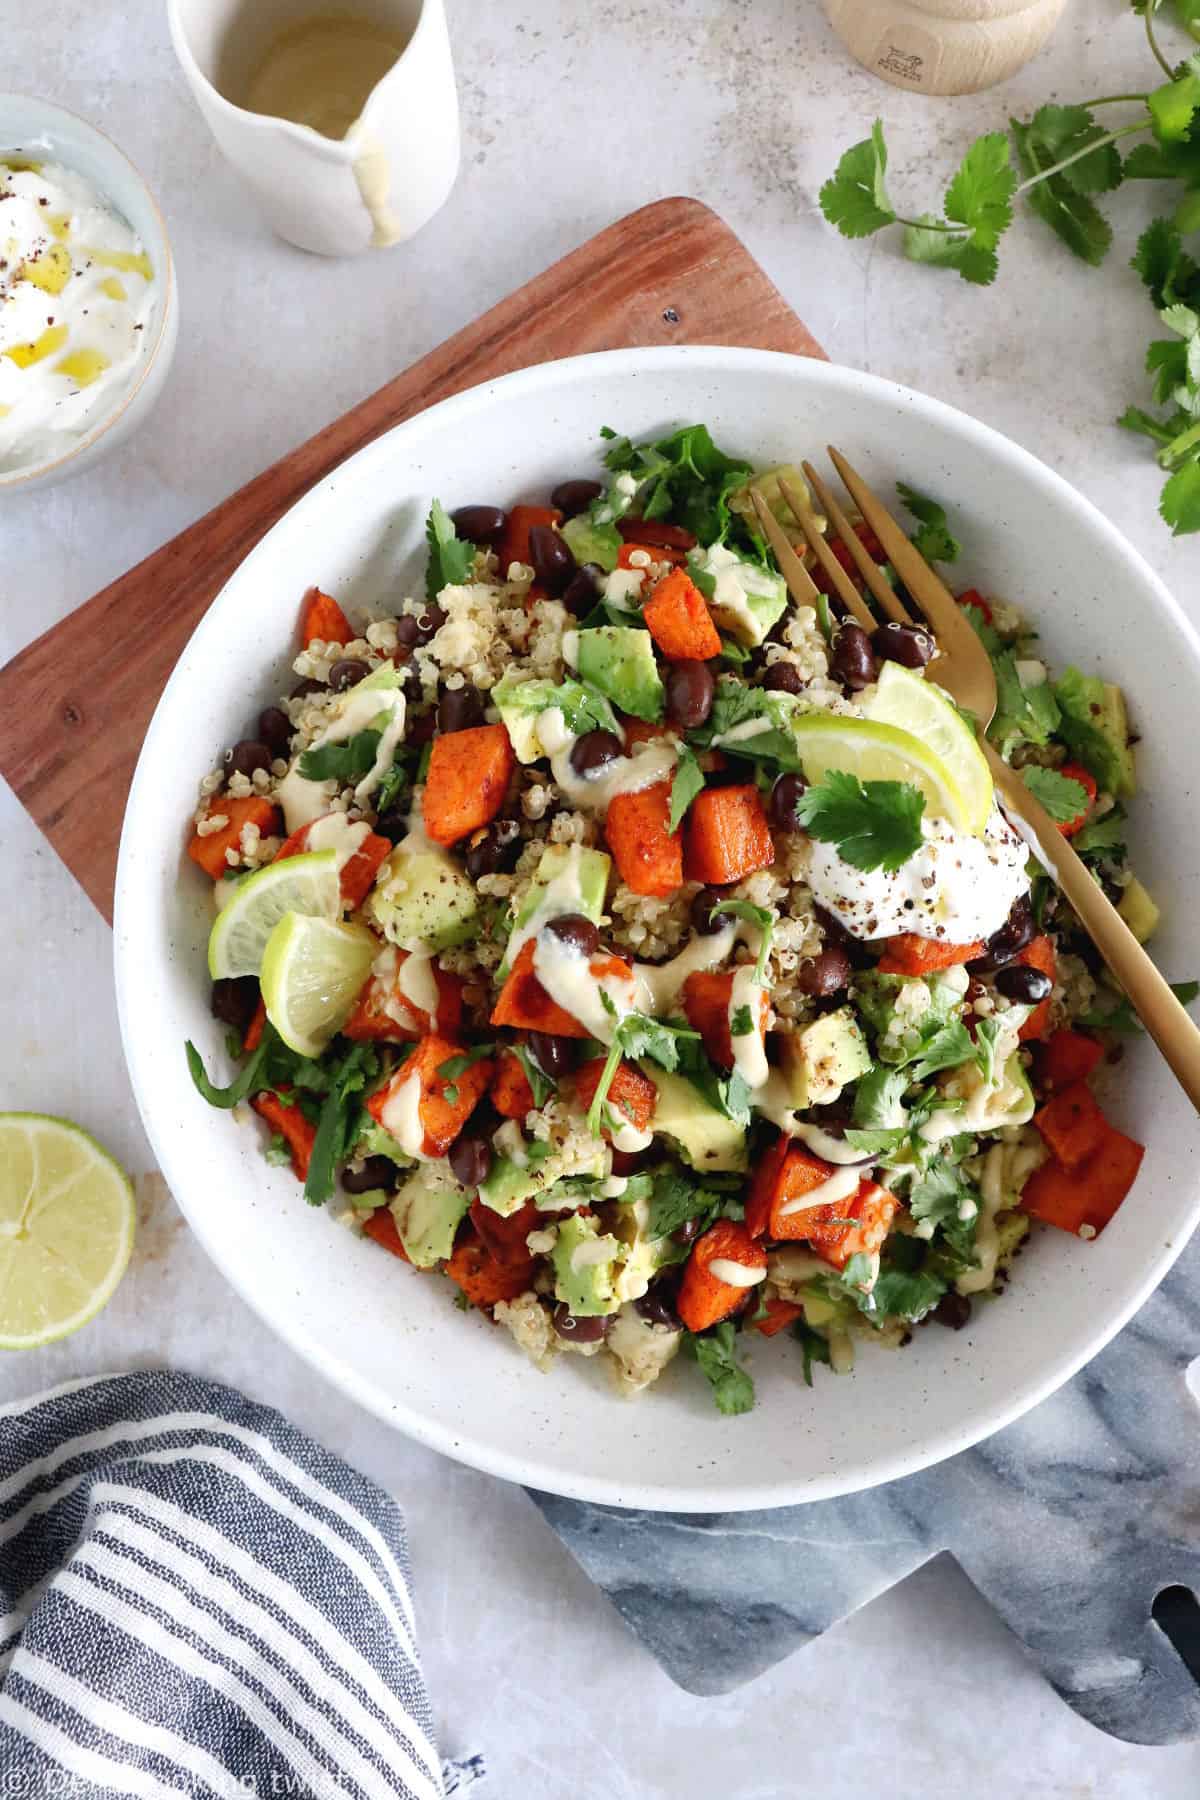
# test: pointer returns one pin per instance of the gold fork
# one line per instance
(963, 668)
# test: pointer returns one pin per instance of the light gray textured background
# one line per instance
(573, 113)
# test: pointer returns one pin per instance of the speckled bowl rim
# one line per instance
(13, 479)
(138, 891)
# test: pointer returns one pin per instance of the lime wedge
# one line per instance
(915, 705)
(67, 1220)
(299, 884)
(875, 752)
(312, 971)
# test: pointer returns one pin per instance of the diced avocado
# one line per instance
(423, 900)
(585, 1266)
(988, 1106)
(745, 599)
(592, 543)
(373, 1140)
(569, 879)
(1095, 725)
(427, 1211)
(1139, 911)
(642, 1255)
(619, 660)
(903, 1010)
(704, 1137)
(522, 702)
(518, 1176)
(510, 1184)
(768, 486)
(821, 1059)
(1012, 1228)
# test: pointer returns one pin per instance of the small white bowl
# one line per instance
(30, 123)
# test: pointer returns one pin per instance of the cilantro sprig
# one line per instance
(763, 918)
(451, 558)
(1063, 797)
(933, 537)
(716, 1353)
(1060, 162)
(636, 1035)
(875, 824)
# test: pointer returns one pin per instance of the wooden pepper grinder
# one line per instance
(943, 46)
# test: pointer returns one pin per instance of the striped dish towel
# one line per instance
(196, 1600)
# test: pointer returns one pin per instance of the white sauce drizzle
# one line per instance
(418, 984)
(735, 1274)
(749, 1050)
(335, 832)
(402, 1117)
(838, 1187)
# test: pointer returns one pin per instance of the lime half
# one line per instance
(312, 972)
(915, 705)
(875, 752)
(299, 884)
(67, 1219)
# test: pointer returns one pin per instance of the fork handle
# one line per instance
(1172, 1029)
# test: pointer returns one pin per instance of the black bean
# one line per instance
(1017, 981)
(479, 524)
(576, 931)
(1011, 938)
(571, 497)
(704, 919)
(420, 730)
(953, 1310)
(583, 590)
(628, 1162)
(783, 678)
(460, 708)
(247, 756)
(551, 557)
(307, 686)
(690, 688)
(828, 973)
(781, 809)
(907, 644)
(594, 751)
(417, 628)
(580, 1329)
(234, 1001)
(555, 1056)
(470, 1158)
(853, 660)
(347, 673)
(688, 1232)
(275, 730)
(394, 823)
(830, 924)
(657, 1307)
(494, 850)
(376, 1172)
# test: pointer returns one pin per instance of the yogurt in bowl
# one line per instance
(87, 313)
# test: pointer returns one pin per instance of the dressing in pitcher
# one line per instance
(322, 71)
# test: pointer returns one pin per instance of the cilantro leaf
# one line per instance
(987, 1039)
(1064, 131)
(933, 539)
(1160, 259)
(1063, 797)
(675, 1200)
(943, 1199)
(1121, 1018)
(877, 1103)
(875, 824)
(341, 1112)
(451, 559)
(1102, 837)
(252, 1078)
(981, 193)
(732, 1388)
(742, 1022)
(346, 762)
(636, 1036)
(855, 198)
(763, 917)
(1179, 503)
(1173, 105)
(1023, 713)
(1067, 211)
(536, 1076)
(684, 476)
(688, 782)
(949, 1046)
(927, 241)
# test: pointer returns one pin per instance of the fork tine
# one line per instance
(804, 588)
(942, 611)
(886, 595)
(848, 594)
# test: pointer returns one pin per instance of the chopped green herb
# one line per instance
(345, 762)
(875, 824)
(933, 537)
(451, 559)
(688, 782)
(1063, 797)
(742, 1022)
(715, 1351)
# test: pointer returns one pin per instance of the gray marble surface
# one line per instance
(1069, 1523)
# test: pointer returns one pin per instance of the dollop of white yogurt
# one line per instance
(955, 887)
(77, 294)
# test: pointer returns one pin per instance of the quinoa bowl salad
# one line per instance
(648, 955)
(458, 1375)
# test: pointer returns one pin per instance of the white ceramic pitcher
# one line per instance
(396, 165)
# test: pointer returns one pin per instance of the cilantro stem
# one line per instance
(611, 1064)
(1160, 59)
(1179, 447)
(1112, 99)
(1109, 137)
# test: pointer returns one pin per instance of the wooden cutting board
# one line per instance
(75, 705)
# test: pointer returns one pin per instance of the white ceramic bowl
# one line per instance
(393, 1340)
(31, 124)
